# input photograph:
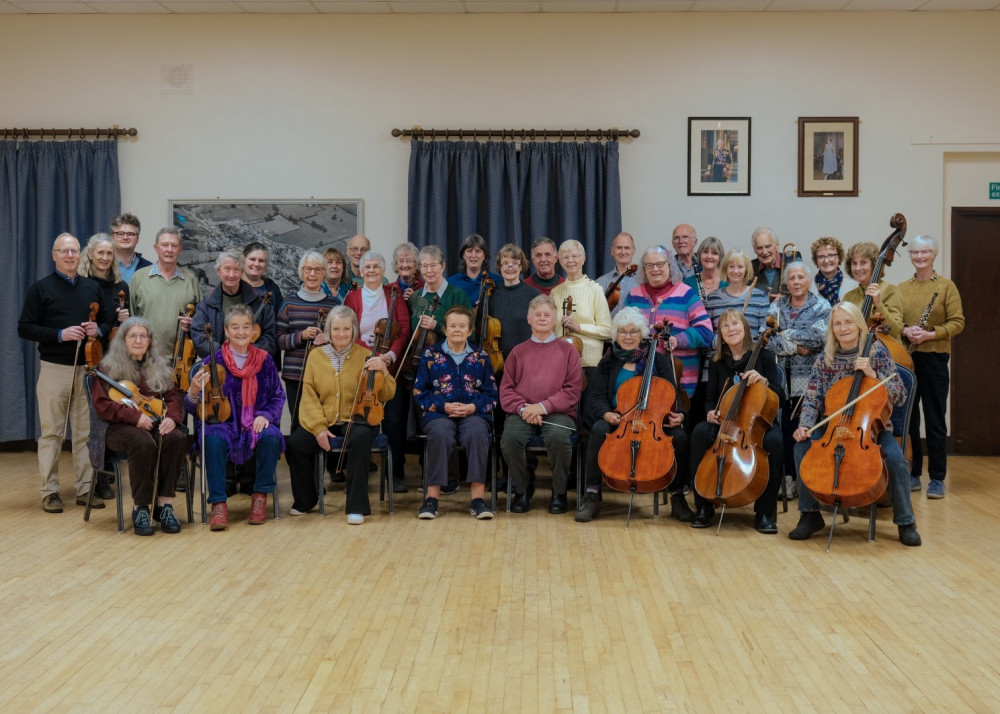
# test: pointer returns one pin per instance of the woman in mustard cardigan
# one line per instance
(329, 387)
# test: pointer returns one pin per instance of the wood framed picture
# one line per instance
(718, 156)
(828, 156)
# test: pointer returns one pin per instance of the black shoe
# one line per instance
(399, 487)
(450, 488)
(521, 504)
(103, 489)
(908, 535)
(679, 508)
(764, 523)
(338, 477)
(590, 506)
(809, 523)
(141, 523)
(558, 504)
(168, 521)
(181, 485)
(372, 467)
(703, 519)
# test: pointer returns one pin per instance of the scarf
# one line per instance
(310, 296)
(829, 288)
(255, 360)
(626, 356)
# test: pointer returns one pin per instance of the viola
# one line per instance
(638, 456)
(93, 351)
(735, 471)
(255, 333)
(845, 467)
(567, 310)
(215, 407)
(886, 255)
(127, 393)
(387, 328)
(368, 408)
(418, 341)
(487, 329)
(614, 291)
(120, 302)
(183, 359)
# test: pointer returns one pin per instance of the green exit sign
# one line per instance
(995, 189)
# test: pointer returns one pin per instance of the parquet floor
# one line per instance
(522, 614)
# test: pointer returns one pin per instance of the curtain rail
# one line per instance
(613, 133)
(113, 132)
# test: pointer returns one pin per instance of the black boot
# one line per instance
(908, 535)
(679, 508)
(703, 519)
(103, 490)
(809, 523)
(590, 506)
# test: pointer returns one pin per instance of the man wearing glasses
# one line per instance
(56, 315)
(685, 240)
(125, 231)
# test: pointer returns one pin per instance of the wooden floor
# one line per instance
(524, 613)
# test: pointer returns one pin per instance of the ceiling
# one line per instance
(477, 6)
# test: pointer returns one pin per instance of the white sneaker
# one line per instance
(293, 511)
(355, 519)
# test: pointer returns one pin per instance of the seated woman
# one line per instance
(253, 388)
(728, 366)
(147, 442)
(625, 360)
(591, 317)
(329, 388)
(457, 393)
(300, 326)
(840, 359)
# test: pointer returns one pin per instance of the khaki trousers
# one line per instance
(53, 391)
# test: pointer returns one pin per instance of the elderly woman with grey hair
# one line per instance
(590, 318)
(625, 360)
(232, 290)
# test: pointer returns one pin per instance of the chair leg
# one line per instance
(204, 492)
(90, 496)
(320, 471)
(189, 490)
(387, 478)
(493, 479)
(872, 515)
(118, 497)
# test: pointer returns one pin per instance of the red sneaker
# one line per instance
(220, 516)
(258, 509)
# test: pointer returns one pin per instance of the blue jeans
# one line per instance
(217, 454)
(899, 478)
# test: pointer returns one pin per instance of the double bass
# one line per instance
(487, 328)
(735, 471)
(886, 254)
(614, 292)
(845, 467)
(638, 456)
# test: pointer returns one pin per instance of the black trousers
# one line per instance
(933, 383)
(301, 449)
(701, 441)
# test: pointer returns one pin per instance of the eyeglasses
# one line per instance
(655, 266)
(313, 269)
(429, 266)
(826, 256)
(125, 234)
(629, 333)
(375, 268)
(137, 336)
(67, 251)
(921, 252)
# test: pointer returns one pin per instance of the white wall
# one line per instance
(301, 106)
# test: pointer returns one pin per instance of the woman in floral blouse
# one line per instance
(456, 392)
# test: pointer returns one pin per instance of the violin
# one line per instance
(120, 302)
(94, 351)
(567, 310)
(183, 359)
(638, 456)
(845, 467)
(387, 327)
(368, 409)
(886, 255)
(614, 291)
(487, 329)
(255, 333)
(735, 471)
(215, 407)
(418, 341)
(127, 393)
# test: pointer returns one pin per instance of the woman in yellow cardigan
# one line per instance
(591, 318)
(329, 387)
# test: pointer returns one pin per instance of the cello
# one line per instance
(183, 359)
(886, 255)
(638, 456)
(614, 292)
(487, 329)
(735, 471)
(845, 467)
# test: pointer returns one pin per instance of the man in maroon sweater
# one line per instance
(542, 382)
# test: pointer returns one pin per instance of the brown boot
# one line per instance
(220, 516)
(258, 508)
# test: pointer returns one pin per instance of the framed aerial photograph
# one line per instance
(287, 227)
(718, 156)
(828, 156)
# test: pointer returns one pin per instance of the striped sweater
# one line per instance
(296, 315)
(689, 323)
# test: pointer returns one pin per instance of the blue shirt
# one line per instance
(470, 286)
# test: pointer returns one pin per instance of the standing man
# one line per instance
(160, 292)
(544, 256)
(125, 231)
(685, 240)
(767, 264)
(56, 315)
(622, 251)
(357, 246)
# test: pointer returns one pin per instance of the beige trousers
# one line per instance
(53, 391)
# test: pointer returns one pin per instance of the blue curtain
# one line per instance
(46, 188)
(559, 190)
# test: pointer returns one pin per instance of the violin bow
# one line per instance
(72, 385)
(849, 404)
(567, 428)
(159, 452)
(204, 495)
(749, 293)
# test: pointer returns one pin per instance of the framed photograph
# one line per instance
(287, 227)
(828, 156)
(718, 156)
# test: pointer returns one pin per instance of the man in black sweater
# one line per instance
(56, 315)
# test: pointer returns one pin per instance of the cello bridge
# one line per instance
(843, 433)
